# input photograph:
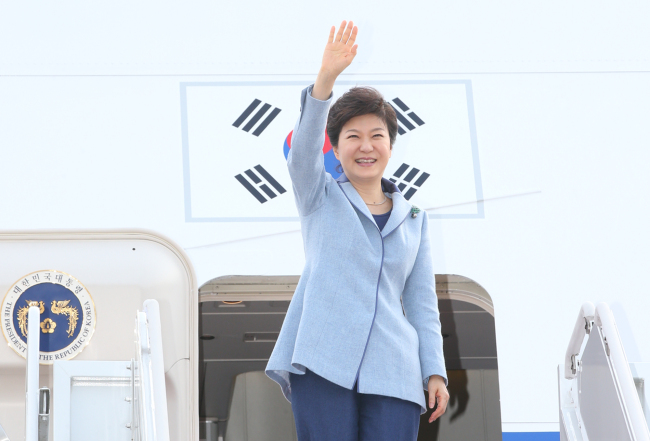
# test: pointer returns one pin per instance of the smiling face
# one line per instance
(363, 148)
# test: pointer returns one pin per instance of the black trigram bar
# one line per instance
(402, 119)
(407, 179)
(255, 177)
(258, 115)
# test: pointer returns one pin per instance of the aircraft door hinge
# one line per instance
(576, 364)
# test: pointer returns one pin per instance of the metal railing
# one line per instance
(149, 367)
(31, 379)
(598, 397)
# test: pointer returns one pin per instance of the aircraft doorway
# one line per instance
(241, 317)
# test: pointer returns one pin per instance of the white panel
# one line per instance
(90, 398)
(260, 37)
(598, 384)
(99, 408)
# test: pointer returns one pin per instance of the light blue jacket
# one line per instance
(345, 319)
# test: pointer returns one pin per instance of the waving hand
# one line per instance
(340, 49)
(339, 53)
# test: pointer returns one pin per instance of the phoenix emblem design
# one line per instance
(22, 315)
(61, 307)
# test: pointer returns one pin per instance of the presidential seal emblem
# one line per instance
(67, 320)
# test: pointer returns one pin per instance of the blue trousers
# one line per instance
(325, 411)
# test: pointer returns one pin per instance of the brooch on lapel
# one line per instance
(414, 211)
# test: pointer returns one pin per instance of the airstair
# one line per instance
(601, 395)
(92, 395)
(86, 315)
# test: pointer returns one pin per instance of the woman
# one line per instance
(353, 366)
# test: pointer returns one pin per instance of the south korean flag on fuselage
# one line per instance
(237, 138)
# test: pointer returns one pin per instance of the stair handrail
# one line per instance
(31, 377)
(622, 373)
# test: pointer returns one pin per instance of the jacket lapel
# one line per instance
(401, 207)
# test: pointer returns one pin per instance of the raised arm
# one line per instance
(305, 159)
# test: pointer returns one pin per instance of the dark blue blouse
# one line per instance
(381, 219)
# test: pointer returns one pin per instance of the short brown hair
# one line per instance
(360, 101)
